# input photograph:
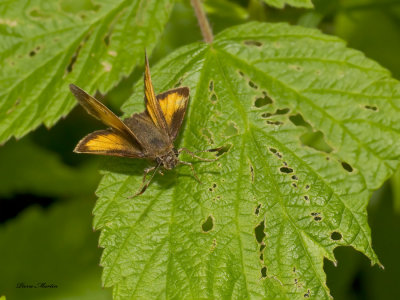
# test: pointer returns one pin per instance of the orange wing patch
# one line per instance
(108, 142)
(173, 104)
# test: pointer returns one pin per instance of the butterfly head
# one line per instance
(169, 160)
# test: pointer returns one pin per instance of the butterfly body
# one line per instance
(147, 135)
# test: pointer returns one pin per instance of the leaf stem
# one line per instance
(205, 27)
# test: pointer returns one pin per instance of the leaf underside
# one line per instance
(271, 208)
(294, 3)
(45, 45)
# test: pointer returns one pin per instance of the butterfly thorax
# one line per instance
(169, 160)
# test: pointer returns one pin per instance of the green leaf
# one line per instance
(20, 162)
(271, 208)
(56, 247)
(45, 45)
(295, 3)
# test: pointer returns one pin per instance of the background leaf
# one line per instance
(45, 45)
(275, 204)
(295, 3)
(60, 236)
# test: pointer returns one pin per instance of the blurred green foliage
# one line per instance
(56, 244)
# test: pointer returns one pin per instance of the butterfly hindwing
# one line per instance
(173, 104)
(108, 142)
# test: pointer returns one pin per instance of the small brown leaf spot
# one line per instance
(259, 232)
(263, 100)
(294, 177)
(374, 108)
(208, 224)
(106, 66)
(211, 86)
(296, 68)
(347, 167)
(263, 272)
(336, 236)
(253, 85)
(214, 245)
(286, 170)
(306, 198)
(308, 294)
(252, 43)
(257, 211)
(112, 53)
(252, 173)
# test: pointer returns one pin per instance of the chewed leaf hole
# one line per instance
(231, 129)
(211, 86)
(317, 216)
(286, 170)
(257, 211)
(294, 177)
(252, 43)
(252, 172)
(208, 224)
(315, 140)
(263, 100)
(298, 120)
(263, 272)
(213, 97)
(374, 108)
(308, 294)
(259, 232)
(273, 150)
(32, 53)
(306, 198)
(253, 85)
(347, 167)
(336, 236)
(221, 150)
(274, 122)
(241, 73)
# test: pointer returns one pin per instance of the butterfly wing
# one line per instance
(102, 113)
(173, 104)
(152, 105)
(108, 142)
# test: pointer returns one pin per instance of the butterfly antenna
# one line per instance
(192, 154)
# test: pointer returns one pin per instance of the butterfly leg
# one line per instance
(198, 157)
(145, 184)
(193, 170)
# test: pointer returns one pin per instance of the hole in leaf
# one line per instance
(336, 236)
(294, 177)
(213, 97)
(262, 247)
(307, 187)
(257, 211)
(262, 257)
(263, 100)
(252, 172)
(241, 73)
(308, 294)
(306, 198)
(298, 120)
(221, 150)
(214, 185)
(294, 185)
(315, 140)
(266, 115)
(282, 111)
(208, 224)
(294, 269)
(211, 86)
(252, 43)
(374, 108)
(274, 122)
(32, 53)
(273, 150)
(259, 232)
(347, 167)
(253, 85)
(286, 170)
(264, 272)
(317, 218)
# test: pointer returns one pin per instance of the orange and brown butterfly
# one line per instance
(146, 135)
